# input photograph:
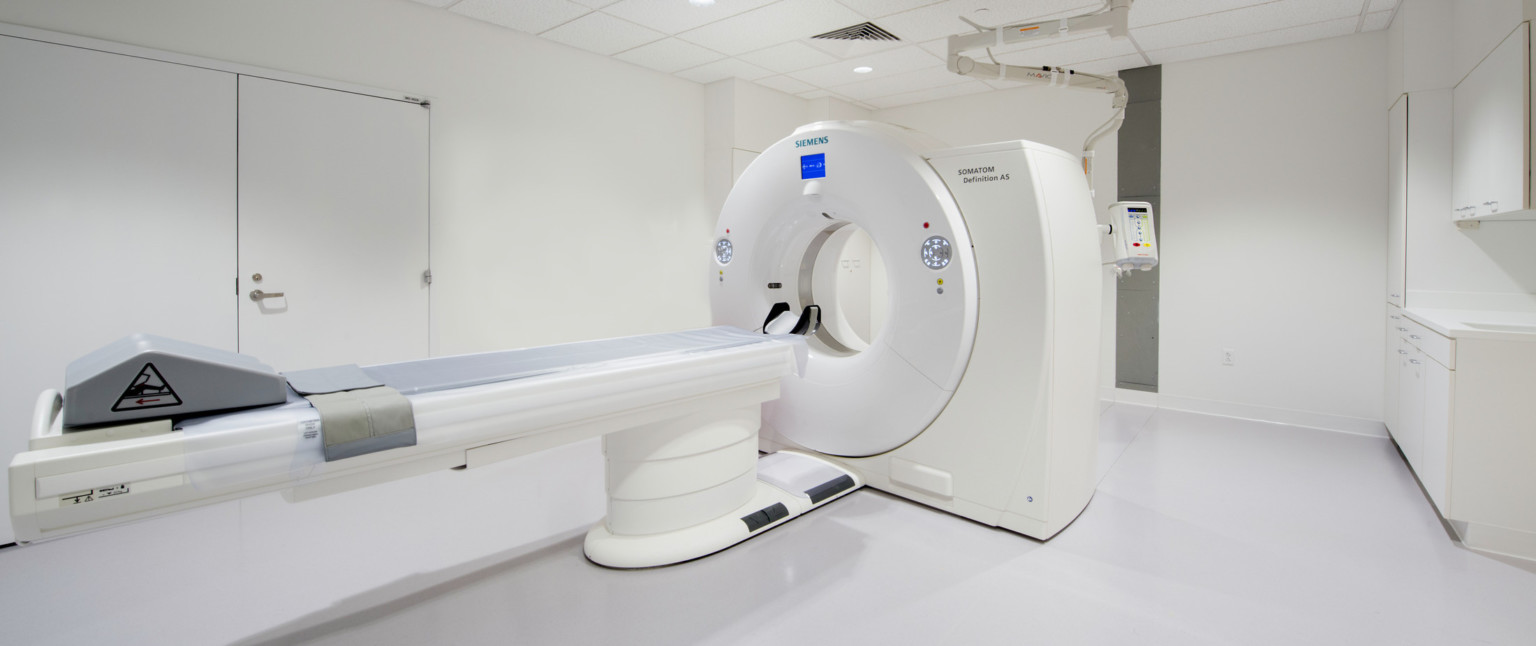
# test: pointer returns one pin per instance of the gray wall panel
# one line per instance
(1140, 178)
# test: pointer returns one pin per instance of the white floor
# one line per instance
(1204, 530)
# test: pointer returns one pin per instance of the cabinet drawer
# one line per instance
(1438, 347)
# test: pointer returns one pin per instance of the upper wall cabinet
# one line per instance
(1491, 151)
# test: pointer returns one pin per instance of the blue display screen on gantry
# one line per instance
(813, 166)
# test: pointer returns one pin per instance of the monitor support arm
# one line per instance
(1112, 18)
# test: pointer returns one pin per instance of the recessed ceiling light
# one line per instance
(863, 69)
(701, 3)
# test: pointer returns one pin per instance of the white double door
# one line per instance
(138, 195)
(332, 216)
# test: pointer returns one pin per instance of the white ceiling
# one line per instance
(768, 41)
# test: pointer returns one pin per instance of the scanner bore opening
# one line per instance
(842, 272)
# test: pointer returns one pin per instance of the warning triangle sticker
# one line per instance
(148, 390)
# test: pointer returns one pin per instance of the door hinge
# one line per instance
(426, 277)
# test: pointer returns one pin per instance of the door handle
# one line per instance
(257, 295)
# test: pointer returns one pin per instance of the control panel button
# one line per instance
(936, 252)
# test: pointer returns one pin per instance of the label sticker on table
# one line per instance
(148, 390)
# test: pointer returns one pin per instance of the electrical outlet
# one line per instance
(1227, 356)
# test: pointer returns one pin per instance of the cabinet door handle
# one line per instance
(1402, 352)
(1414, 361)
(1396, 316)
(1396, 296)
(1402, 329)
(1413, 336)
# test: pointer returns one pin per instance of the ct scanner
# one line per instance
(977, 396)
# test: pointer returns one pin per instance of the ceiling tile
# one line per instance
(602, 33)
(817, 94)
(670, 55)
(532, 16)
(942, 20)
(777, 23)
(931, 94)
(1153, 12)
(724, 69)
(939, 48)
(878, 8)
(788, 57)
(1317, 31)
(436, 3)
(1282, 14)
(1382, 5)
(900, 83)
(888, 63)
(1376, 21)
(595, 4)
(785, 84)
(676, 16)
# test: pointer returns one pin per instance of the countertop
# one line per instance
(1477, 324)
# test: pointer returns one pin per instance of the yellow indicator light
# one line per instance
(722, 272)
(941, 281)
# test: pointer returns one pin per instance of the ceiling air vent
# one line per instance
(861, 31)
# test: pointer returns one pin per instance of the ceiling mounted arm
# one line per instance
(1113, 18)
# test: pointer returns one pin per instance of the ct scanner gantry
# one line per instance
(979, 395)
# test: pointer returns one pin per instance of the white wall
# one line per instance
(1476, 27)
(1052, 116)
(1274, 202)
(568, 202)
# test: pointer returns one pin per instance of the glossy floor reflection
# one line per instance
(1204, 530)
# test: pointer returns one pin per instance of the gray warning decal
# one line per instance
(148, 390)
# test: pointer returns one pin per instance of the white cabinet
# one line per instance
(1397, 199)
(1409, 432)
(1490, 130)
(1492, 473)
(1435, 429)
(1463, 422)
(1395, 352)
(1424, 398)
